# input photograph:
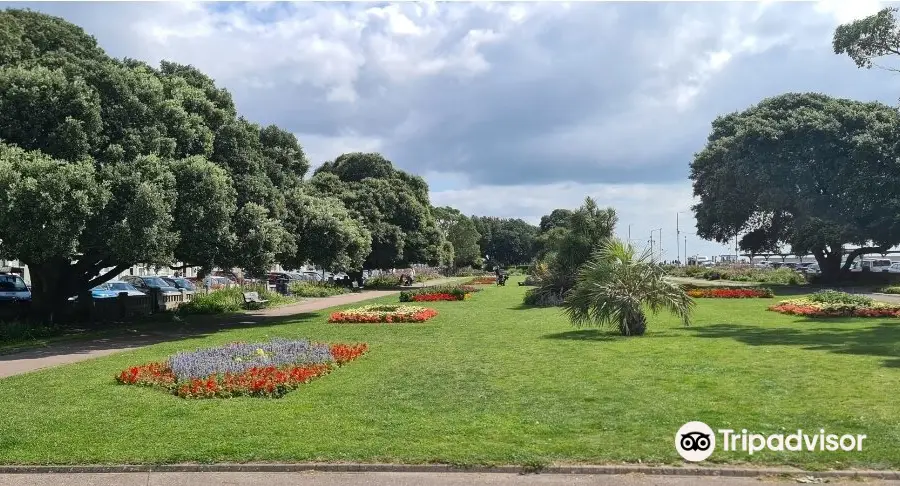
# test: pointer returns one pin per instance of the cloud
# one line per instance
(507, 108)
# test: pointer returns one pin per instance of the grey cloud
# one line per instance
(582, 93)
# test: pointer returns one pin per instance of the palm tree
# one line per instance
(614, 286)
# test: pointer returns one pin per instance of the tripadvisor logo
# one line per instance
(696, 441)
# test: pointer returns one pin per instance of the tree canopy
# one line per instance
(808, 170)
(391, 205)
(460, 233)
(506, 241)
(870, 38)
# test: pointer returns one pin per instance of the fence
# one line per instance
(122, 307)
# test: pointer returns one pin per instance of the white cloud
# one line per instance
(320, 148)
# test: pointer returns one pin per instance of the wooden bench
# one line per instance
(252, 298)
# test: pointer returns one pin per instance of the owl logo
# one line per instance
(695, 441)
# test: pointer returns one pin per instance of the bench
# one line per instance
(252, 298)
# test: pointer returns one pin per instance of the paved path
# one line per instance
(392, 479)
(125, 339)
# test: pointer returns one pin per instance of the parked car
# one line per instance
(894, 268)
(812, 269)
(180, 283)
(13, 289)
(147, 284)
(113, 288)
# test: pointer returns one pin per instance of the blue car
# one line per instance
(113, 289)
(13, 289)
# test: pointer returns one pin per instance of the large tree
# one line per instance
(811, 171)
(460, 233)
(506, 241)
(391, 205)
(109, 163)
(865, 40)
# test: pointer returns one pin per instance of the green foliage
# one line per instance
(506, 241)
(867, 39)
(12, 331)
(324, 234)
(383, 282)
(542, 298)
(458, 291)
(891, 289)
(778, 276)
(315, 289)
(750, 178)
(461, 233)
(229, 300)
(565, 249)
(615, 285)
(391, 204)
(135, 165)
(836, 297)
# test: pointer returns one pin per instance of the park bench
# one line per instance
(252, 298)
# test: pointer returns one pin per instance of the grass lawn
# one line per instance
(490, 382)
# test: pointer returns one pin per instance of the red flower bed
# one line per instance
(482, 281)
(434, 297)
(267, 381)
(729, 293)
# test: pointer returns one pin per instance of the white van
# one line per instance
(876, 265)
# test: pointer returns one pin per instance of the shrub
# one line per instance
(892, 289)
(383, 313)
(21, 330)
(268, 369)
(539, 298)
(315, 289)
(229, 300)
(426, 275)
(454, 292)
(737, 273)
(383, 281)
(836, 297)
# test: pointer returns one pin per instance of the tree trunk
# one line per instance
(47, 295)
(829, 264)
(634, 324)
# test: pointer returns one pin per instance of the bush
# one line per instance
(737, 273)
(426, 275)
(458, 292)
(383, 281)
(21, 330)
(315, 289)
(229, 300)
(835, 297)
(539, 298)
(892, 289)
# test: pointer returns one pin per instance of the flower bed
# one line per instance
(806, 307)
(482, 281)
(830, 303)
(269, 369)
(440, 293)
(729, 293)
(383, 313)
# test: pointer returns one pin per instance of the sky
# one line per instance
(507, 109)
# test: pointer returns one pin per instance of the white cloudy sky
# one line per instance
(508, 109)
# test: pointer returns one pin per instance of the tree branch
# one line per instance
(861, 251)
(108, 275)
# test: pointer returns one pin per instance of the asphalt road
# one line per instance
(396, 479)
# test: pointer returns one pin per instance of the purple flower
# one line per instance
(239, 357)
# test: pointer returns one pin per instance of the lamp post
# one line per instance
(677, 239)
(651, 241)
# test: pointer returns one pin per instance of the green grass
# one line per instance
(491, 382)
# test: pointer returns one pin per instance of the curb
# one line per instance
(442, 468)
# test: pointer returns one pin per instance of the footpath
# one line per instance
(73, 351)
